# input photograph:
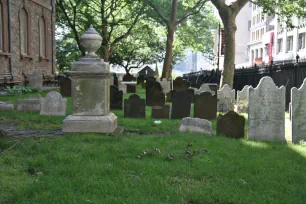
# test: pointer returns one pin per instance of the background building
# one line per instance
(27, 41)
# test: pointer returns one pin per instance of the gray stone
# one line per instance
(226, 99)
(196, 125)
(243, 95)
(90, 90)
(53, 104)
(166, 85)
(267, 111)
(6, 106)
(35, 81)
(298, 113)
(28, 105)
(204, 88)
(122, 87)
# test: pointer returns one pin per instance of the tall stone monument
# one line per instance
(90, 77)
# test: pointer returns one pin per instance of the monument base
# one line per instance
(90, 124)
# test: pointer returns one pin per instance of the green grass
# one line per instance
(90, 168)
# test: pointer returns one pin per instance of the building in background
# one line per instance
(243, 22)
(27, 36)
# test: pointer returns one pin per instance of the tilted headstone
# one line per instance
(53, 104)
(6, 106)
(179, 84)
(196, 125)
(267, 111)
(298, 113)
(226, 99)
(32, 104)
(205, 106)
(65, 86)
(90, 77)
(166, 85)
(181, 104)
(160, 111)
(35, 81)
(116, 98)
(204, 88)
(134, 107)
(231, 125)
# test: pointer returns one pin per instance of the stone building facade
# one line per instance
(27, 36)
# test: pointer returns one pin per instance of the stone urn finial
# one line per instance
(91, 41)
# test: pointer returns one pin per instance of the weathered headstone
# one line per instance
(181, 104)
(298, 113)
(90, 77)
(116, 98)
(169, 95)
(35, 80)
(179, 84)
(191, 93)
(6, 106)
(154, 94)
(231, 125)
(226, 99)
(65, 86)
(32, 104)
(267, 111)
(205, 106)
(196, 125)
(205, 88)
(53, 104)
(161, 111)
(134, 107)
(243, 95)
(166, 85)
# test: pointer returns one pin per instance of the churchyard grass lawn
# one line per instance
(89, 168)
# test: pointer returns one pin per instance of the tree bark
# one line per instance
(167, 69)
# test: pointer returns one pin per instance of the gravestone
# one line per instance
(90, 77)
(196, 125)
(226, 99)
(169, 95)
(298, 113)
(205, 106)
(231, 125)
(116, 98)
(243, 94)
(134, 107)
(267, 111)
(53, 104)
(32, 104)
(35, 81)
(166, 85)
(65, 86)
(191, 93)
(6, 106)
(129, 88)
(115, 78)
(152, 87)
(179, 84)
(161, 111)
(181, 104)
(122, 87)
(205, 88)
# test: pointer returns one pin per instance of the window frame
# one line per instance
(5, 49)
(28, 53)
(41, 57)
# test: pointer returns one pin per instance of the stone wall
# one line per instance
(37, 8)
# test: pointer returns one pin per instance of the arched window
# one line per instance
(24, 32)
(1, 28)
(42, 37)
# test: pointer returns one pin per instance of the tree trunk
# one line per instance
(167, 69)
(230, 50)
(105, 53)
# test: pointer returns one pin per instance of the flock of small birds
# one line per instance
(188, 154)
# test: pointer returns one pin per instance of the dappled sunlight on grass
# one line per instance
(299, 148)
(255, 144)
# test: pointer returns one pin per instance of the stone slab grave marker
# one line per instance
(134, 107)
(90, 77)
(226, 99)
(204, 88)
(191, 94)
(35, 81)
(116, 98)
(169, 95)
(196, 125)
(166, 85)
(32, 104)
(205, 106)
(65, 86)
(231, 125)
(6, 106)
(179, 84)
(243, 100)
(161, 111)
(53, 104)
(181, 104)
(267, 111)
(298, 113)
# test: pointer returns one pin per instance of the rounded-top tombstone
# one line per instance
(90, 77)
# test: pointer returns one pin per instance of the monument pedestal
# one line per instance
(93, 124)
